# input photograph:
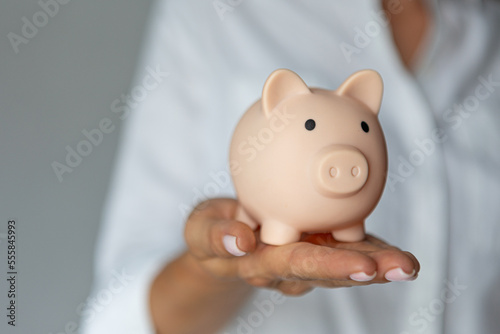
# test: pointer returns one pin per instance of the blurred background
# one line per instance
(62, 64)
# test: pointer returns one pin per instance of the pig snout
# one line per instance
(340, 171)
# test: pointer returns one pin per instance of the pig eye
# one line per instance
(310, 124)
(365, 127)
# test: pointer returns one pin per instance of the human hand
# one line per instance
(230, 250)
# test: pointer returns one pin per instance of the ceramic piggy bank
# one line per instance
(310, 160)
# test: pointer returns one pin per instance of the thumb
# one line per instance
(212, 232)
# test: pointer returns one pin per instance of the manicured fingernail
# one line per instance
(397, 275)
(230, 245)
(414, 277)
(362, 277)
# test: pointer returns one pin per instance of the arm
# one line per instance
(187, 299)
(201, 289)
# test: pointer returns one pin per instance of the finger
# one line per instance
(394, 265)
(377, 241)
(306, 261)
(216, 208)
(369, 244)
(415, 261)
(294, 288)
(384, 245)
(391, 257)
(331, 284)
(210, 236)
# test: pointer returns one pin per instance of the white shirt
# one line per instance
(442, 200)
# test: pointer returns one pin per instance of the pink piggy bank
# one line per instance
(310, 160)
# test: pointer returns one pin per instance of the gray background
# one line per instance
(61, 82)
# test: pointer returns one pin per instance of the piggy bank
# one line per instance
(310, 160)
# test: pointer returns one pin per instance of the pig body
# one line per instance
(310, 160)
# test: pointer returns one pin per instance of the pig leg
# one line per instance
(242, 216)
(277, 233)
(352, 233)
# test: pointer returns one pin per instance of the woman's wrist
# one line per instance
(186, 295)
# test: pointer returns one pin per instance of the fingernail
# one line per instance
(414, 277)
(362, 277)
(397, 275)
(230, 245)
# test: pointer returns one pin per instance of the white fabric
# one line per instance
(442, 201)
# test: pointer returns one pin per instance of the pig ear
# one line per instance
(365, 86)
(281, 84)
